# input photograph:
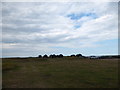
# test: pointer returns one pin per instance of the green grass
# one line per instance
(60, 73)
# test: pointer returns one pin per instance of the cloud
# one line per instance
(60, 1)
(52, 24)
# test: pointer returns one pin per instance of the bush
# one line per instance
(40, 56)
(45, 56)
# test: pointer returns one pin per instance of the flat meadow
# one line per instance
(66, 72)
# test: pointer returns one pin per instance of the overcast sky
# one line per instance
(30, 29)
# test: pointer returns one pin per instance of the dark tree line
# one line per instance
(78, 55)
(58, 56)
(51, 56)
(54, 56)
(109, 57)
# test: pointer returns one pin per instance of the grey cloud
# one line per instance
(40, 23)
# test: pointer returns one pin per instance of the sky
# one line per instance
(38, 28)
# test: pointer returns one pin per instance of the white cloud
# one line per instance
(60, 0)
(48, 24)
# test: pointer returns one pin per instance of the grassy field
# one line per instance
(67, 72)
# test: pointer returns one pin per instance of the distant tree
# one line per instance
(79, 55)
(51, 56)
(60, 55)
(45, 56)
(40, 56)
(54, 56)
(73, 55)
(57, 55)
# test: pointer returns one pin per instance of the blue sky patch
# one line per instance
(78, 16)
